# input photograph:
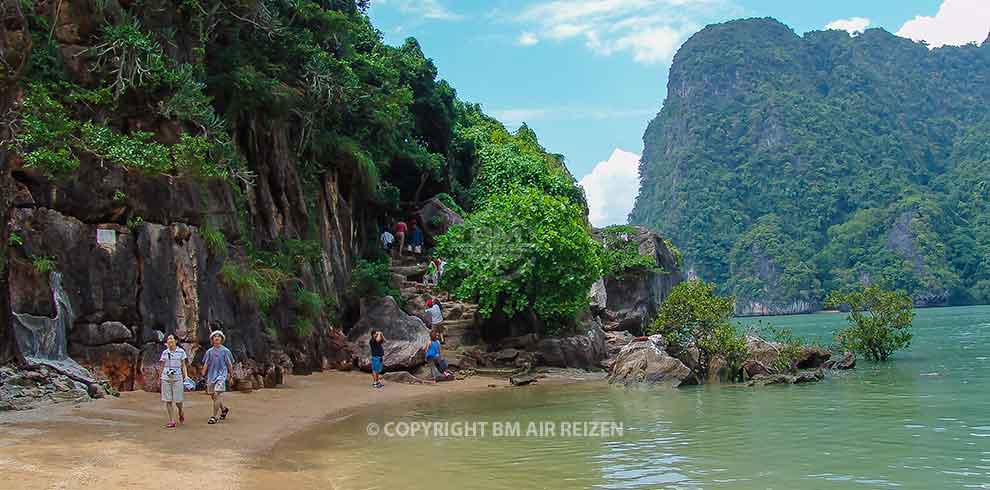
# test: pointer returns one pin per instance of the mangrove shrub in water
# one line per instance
(694, 314)
(878, 321)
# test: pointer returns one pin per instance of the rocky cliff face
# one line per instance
(630, 301)
(809, 149)
(131, 285)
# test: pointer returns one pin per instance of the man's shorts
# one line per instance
(218, 386)
(376, 364)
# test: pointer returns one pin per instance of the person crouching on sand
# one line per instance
(174, 372)
(218, 363)
(377, 356)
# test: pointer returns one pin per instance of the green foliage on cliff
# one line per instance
(878, 321)
(620, 254)
(372, 279)
(785, 166)
(524, 250)
(254, 282)
(693, 314)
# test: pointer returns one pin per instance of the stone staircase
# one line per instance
(460, 319)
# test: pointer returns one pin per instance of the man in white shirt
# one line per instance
(387, 240)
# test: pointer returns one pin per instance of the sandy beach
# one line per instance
(122, 443)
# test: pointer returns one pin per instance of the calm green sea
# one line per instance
(921, 421)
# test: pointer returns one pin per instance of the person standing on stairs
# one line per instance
(431, 274)
(387, 240)
(416, 239)
(377, 356)
(434, 317)
(400, 236)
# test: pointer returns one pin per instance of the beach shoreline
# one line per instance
(122, 443)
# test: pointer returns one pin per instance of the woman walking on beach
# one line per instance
(174, 372)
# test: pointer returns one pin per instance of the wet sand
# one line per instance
(122, 442)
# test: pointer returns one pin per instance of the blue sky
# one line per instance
(588, 75)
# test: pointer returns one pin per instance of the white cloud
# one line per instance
(611, 188)
(957, 22)
(427, 9)
(649, 30)
(527, 39)
(852, 25)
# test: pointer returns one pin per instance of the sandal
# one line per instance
(223, 413)
(170, 425)
(212, 420)
(182, 419)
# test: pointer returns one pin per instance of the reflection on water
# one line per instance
(922, 422)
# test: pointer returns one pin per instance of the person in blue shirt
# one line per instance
(375, 343)
(416, 240)
(218, 363)
(438, 366)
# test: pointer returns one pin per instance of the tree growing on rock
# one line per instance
(693, 315)
(878, 321)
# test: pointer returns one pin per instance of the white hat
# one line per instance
(217, 332)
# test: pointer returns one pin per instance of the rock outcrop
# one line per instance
(646, 362)
(631, 301)
(436, 218)
(406, 335)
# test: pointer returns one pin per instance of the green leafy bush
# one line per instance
(523, 250)
(620, 254)
(878, 321)
(372, 279)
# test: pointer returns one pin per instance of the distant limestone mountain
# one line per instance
(785, 167)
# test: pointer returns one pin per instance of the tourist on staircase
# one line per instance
(387, 240)
(434, 316)
(416, 239)
(400, 236)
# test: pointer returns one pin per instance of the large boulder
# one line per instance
(101, 334)
(406, 336)
(436, 218)
(645, 362)
(585, 351)
(632, 300)
(846, 360)
(116, 363)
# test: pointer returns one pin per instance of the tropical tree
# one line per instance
(878, 321)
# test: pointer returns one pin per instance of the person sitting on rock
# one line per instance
(377, 356)
(438, 366)
(218, 363)
(174, 373)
